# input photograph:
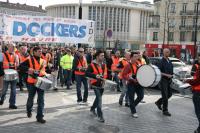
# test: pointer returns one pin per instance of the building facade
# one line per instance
(119, 23)
(173, 26)
(21, 9)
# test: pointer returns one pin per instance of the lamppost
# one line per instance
(80, 16)
(196, 28)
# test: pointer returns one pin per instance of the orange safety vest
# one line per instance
(9, 61)
(100, 71)
(43, 57)
(37, 66)
(124, 62)
(22, 58)
(115, 61)
(196, 87)
(133, 69)
(81, 63)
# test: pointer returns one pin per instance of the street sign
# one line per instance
(109, 33)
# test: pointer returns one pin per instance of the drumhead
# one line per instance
(10, 71)
(45, 80)
(146, 75)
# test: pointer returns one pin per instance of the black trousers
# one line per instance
(166, 93)
(196, 101)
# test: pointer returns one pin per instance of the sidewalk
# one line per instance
(63, 115)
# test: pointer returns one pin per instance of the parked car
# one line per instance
(181, 72)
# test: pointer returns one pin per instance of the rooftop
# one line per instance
(21, 7)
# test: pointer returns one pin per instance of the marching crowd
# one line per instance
(87, 66)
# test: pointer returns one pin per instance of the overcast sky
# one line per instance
(51, 2)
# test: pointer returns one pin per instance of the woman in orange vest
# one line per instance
(125, 61)
(195, 72)
(80, 66)
(10, 61)
(35, 67)
(129, 74)
(115, 70)
(97, 70)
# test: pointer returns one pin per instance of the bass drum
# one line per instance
(148, 75)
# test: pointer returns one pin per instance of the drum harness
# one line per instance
(32, 60)
(103, 68)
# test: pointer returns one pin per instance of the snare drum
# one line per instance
(10, 75)
(43, 83)
(109, 84)
(148, 75)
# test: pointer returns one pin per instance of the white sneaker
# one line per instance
(135, 115)
(79, 103)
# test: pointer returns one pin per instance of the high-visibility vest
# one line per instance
(22, 58)
(196, 74)
(134, 68)
(9, 61)
(115, 61)
(124, 62)
(37, 66)
(81, 63)
(43, 57)
(66, 62)
(100, 71)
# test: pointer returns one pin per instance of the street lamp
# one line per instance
(196, 28)
(80, 16)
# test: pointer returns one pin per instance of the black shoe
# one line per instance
(101, 119)
(1, 102)
(29, 114)
(119, 91)
(93, 113)
(127, 105)
(166, 113)
(120, 103)
(21, 89)
(68, 88)
(12, 107)
(41, 120)
(159, 106)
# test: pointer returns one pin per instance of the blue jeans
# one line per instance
(196, 101)
(67, 77)
(124, 93)
(79, 80)
(98, 101)
(116, 79)
(132, 89)
(40, 100)
(13, 84)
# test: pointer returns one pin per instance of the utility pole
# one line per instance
(168, 24)
(164, 25)
(195, 33)
(80, 16)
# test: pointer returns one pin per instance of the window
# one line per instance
(90, 13)
(173, 8)
(155, 36)
(182, 36)
(171, 36)
(184, 7)
(183, 19)
(194, 21)
(195, 7)
(193, 36)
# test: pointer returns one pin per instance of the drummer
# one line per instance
(10, 61)
(97, 70)
(129, 74)
(35, 67)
